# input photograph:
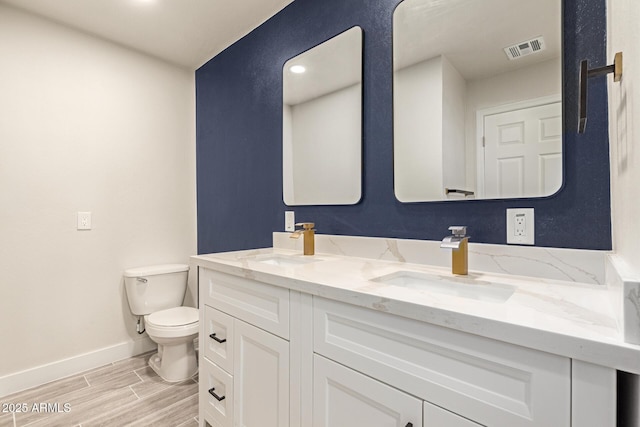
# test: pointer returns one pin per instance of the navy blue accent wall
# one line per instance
(239, 133)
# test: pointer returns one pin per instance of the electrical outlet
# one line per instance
(521, 226)
(84, 221)
(289, 221)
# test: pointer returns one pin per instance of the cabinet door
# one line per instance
(344, 398)
(261, 378)
(435, 416)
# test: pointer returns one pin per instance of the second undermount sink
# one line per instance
(460, 286)
(285, 260)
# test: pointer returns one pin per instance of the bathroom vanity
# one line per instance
(333, 340)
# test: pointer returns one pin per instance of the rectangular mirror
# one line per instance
(322, 123)
(477, 99)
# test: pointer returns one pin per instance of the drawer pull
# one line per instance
(218, 398)
(217, 339)
(409, 425)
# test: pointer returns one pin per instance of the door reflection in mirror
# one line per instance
(522, 149)
(456, 60)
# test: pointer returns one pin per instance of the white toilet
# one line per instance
(157, 292)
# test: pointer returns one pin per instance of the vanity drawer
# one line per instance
(257, 303)
(491, 382)
(214, 380)
(218, 338)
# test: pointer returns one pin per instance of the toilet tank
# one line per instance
(155, 288)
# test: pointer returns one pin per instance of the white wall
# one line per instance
(624, 129)
(454, 95)
(417, 137)
(85, 125)
(288, 187)
(624, 138)
(325, 148)
(428, 115)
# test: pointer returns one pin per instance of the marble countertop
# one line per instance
(565, 318)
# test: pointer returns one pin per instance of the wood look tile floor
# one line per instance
(124, 393)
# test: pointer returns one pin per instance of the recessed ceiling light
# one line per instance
(298, 69)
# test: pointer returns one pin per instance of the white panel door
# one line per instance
(523, 152)
(344, 398)
(261, 378)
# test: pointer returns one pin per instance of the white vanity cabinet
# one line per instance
(274, 357)
(244, 360)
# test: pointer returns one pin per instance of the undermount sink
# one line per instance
(284, 260)
(460, 286)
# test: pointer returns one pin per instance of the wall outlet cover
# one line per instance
(521, 226)
(84, 221)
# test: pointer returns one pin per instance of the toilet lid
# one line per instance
(177, 316)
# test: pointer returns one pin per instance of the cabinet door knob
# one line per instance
(213, 336)
(409, 425)
(218, 398)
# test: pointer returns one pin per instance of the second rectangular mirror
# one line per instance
(477, 99)
(322, 123)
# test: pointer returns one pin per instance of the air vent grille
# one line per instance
(525, 48)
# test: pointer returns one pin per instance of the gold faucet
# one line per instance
(308, 233)
(459, 252)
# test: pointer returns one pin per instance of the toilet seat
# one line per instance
(176, 316)
(173, 322)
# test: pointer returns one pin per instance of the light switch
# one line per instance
(289, 221)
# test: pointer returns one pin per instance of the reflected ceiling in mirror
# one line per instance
(322, 123)
(477, 99)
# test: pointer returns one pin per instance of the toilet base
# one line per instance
(175, 363)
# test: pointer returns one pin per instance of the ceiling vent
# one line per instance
(525, 48)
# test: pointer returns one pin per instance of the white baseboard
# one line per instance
(39, 375)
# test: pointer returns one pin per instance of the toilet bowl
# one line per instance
(174, 330)
(157, 292)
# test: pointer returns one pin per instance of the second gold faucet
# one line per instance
(459, 251)
(308, 235)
